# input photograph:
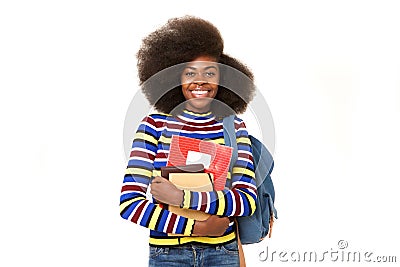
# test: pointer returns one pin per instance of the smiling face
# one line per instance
(200, 83)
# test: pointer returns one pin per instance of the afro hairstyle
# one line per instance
(161, 59)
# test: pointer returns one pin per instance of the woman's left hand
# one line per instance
(166, 192)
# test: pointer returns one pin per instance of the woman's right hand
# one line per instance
(213, 226)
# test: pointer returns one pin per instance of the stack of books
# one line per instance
(189, 177)
(196, 165)
(214, 157)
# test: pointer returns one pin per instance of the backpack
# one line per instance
(252, 229)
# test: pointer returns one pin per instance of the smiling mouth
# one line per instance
(199, 92)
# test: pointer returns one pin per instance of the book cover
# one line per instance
(214, 157)
(199, 182)
(193, 168)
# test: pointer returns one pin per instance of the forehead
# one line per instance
(199, 64)
(202, 62)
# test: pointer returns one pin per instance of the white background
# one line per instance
(329, 71)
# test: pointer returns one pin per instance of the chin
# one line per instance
(199, 105)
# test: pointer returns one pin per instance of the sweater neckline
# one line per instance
(197, 115)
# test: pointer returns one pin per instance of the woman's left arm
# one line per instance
(240, 200)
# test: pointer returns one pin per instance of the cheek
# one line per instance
(184, 91)
(215, 89)
(215, 94)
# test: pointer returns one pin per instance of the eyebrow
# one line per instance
(206, 68)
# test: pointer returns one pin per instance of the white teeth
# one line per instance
(198, 92)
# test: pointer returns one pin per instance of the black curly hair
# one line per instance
(182, 40)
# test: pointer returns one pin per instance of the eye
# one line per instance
(190, 74)
(209, 74)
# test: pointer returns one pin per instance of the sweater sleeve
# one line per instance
(240, 199)
(134, 206)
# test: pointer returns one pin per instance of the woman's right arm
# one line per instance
(134, 206)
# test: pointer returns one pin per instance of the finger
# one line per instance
(154, 190)
(157, 180)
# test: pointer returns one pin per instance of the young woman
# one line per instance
(184, 74)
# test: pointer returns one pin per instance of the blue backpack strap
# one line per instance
(230, 138)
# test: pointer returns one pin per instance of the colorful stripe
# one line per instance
(150, 150)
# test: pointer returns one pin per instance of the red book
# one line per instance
(214, 157)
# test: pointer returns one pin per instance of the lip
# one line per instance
(200, 92)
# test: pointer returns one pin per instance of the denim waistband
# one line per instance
(197, 245)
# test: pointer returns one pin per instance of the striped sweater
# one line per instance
(149, 153)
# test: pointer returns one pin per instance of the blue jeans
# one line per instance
(195, 255)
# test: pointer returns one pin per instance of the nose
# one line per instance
(199, 82)
(200, 79)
